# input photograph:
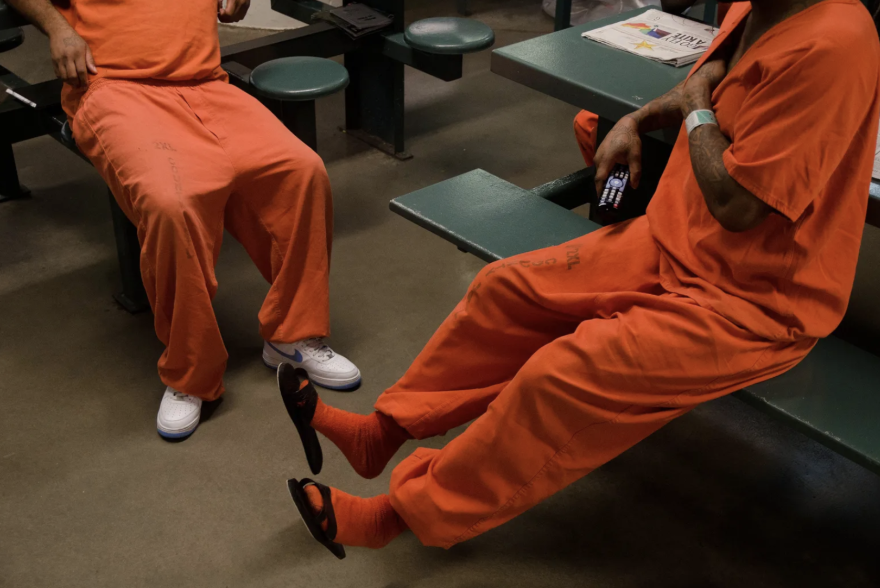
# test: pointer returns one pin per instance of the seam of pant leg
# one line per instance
(672, 402)
(277, 250)
(472, 529)
(431, 413)
(87, 121)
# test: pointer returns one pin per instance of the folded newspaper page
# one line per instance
(659, 36)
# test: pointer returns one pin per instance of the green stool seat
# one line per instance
(449, 35)
(299, 78)
(10, 39)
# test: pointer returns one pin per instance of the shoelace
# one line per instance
(322, 351)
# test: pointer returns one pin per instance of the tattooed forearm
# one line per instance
(661, 113)
(733, 206)
(707, 145)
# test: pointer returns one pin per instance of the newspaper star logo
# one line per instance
(645, 45)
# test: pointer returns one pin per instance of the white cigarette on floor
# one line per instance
(20, 98)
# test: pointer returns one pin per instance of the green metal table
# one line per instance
(587, 74)
(603, 80)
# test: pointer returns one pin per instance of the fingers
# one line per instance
(234, 11)
(603, 168)
(70, 75)
(59, 72)
(82, 71)
(634, 160)
(226, 15)
(90, 62)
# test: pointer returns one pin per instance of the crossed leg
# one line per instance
(564, 363)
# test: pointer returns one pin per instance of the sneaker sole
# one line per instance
(178, 434)
(323, 383)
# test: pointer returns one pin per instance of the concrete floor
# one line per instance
(91, 496)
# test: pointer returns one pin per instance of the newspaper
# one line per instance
(659, 36)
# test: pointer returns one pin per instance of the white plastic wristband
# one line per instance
(699, 118)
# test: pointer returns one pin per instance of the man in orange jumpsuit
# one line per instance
(568, 356)
(187, 155)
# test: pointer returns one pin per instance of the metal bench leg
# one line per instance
(563, 15)
(374, 102)
(10, 189)
(133, 297)
(299, 118)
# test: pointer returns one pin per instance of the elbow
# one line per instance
(736, 225)
(741, 215)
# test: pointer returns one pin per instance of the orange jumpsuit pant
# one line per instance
(585, 126)
(566, 357)
(185, 161)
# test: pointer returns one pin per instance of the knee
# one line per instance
(585, 124)
(304, 170)
(159, 209)
(305, 163)
(496, 284)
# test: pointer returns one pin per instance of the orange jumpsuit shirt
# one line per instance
(141, 40)
(803, 146)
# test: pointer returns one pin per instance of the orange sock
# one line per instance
(368, 442)
(360, 522)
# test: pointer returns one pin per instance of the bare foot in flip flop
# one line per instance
(335, 518)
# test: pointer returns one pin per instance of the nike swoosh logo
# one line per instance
(297, 356)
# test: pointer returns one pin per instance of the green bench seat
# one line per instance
(833, 395)
(490, 218)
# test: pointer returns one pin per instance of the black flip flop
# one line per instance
(313, 520)
(300, 401)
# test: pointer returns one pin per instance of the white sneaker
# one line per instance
(326, 367)
(178, 414)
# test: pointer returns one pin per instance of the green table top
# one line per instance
(601, 79)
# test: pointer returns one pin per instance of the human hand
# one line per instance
(71, 56)
(621, 145)
(234, 11)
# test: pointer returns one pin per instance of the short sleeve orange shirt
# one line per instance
(801, 110)
(146, 39)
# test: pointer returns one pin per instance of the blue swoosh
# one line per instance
(297, 356)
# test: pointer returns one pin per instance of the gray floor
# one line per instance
(90, 496)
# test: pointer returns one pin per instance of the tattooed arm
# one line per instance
(734, 207)
(623, 144)
(71, 55)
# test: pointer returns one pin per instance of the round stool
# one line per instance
(294, 83)
(449, 35)
(10, 39)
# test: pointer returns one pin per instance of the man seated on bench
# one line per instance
(568, 356)
(187, 155)
(586, 123)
